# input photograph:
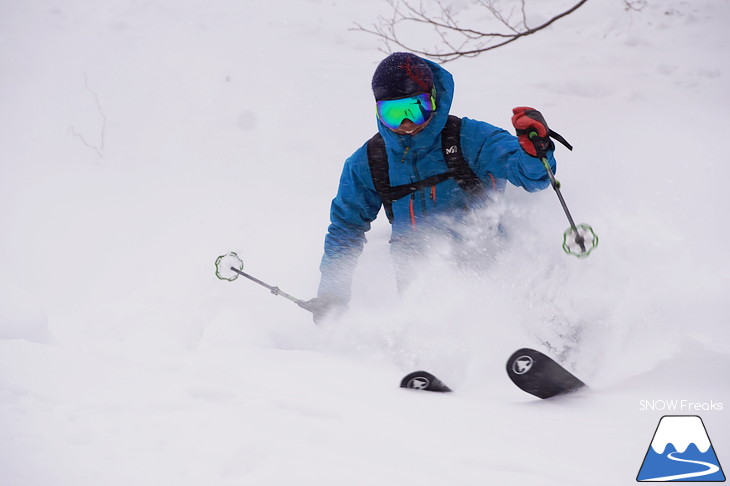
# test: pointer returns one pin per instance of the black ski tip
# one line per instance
(540, 375)
(423, 380)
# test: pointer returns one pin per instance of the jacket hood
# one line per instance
(444, 84)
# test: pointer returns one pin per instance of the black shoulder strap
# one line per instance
(458, 168)
(378, 161)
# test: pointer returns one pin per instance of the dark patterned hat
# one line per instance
(400, 75)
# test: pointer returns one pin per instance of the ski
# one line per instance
(529, 369)
(540, 375)
(423, 380)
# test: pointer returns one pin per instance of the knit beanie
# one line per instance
(400, 75)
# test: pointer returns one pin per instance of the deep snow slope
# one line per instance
(140, 140)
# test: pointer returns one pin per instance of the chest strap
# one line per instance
(458, 168)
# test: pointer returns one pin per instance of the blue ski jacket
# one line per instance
(494, 155)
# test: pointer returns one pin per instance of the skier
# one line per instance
(423, 180)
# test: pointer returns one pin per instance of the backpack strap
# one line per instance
(458, 166)
(378, 161)
(451, 147)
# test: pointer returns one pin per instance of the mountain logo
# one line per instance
(681, 451)
(522, 365)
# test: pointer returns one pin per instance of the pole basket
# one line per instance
(580, 241)
(225, 265)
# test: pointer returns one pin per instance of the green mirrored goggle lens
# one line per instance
(417, 109)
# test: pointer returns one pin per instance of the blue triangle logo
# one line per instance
(681, 451)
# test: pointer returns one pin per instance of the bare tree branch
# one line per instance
(524, 15)
(457, 41)
(99, 146)
(635, 5)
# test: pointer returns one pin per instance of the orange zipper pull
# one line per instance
(412, 212)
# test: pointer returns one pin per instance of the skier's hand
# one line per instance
(528, 120)
(323, 306)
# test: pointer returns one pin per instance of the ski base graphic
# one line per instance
(423, 380)
(540, 375)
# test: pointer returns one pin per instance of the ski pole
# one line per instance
(230, 266)
(579, 239)
(274, 290)
(556, 185)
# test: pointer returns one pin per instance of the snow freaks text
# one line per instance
(681, 406)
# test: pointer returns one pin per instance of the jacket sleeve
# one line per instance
(499, 153)
(353, 209)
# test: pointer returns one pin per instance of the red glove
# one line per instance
(528, 120)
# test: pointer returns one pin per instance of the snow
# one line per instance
(141, 140)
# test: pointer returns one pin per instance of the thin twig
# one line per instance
(98, 147)
(446, 26)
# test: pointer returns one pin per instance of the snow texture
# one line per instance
(140, 140)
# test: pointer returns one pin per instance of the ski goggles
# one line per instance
(417, 109)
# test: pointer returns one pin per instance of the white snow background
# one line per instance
(140, 140)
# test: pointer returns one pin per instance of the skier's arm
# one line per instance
(353, 209)
(499, 153)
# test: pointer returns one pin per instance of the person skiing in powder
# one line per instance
(425, 181)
